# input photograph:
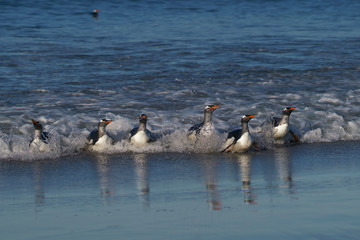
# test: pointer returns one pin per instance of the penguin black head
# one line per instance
(288, 110)
(37, 125)
(143, 118)
(247, 118)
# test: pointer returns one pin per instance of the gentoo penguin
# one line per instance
(206, 127)
(140, 135)
(281, 125)
(240, 140)
(99, 137)
(41, 138)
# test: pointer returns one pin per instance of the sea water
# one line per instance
(306, 191)
(67, 69)
(168, 59)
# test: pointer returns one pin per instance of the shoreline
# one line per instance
(150, 151)
(183, 195)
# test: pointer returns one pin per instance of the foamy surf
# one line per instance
(69, 135)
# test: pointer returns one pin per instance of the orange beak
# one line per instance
(34, 122)
(109, 121)
(291, 109)
(251, 116)
(215, 107)
(142, 117)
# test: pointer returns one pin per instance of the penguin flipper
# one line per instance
(275, 121)
(230, 142)
(93, 137)
(45, 136)
(133, 132)
(151, 136)
(196, 128)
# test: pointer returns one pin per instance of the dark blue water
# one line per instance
(67, 69)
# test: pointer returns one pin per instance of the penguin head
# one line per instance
(288, 110)
(143, 118)
(211, 108)
(37, 125)
(247, 118)
(104, 122)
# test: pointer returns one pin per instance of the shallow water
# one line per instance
(308, 190)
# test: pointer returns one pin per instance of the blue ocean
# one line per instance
(68, 68)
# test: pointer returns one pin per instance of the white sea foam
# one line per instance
(69, 133)
(67, 139)
(329, 98)
(40, 90)
(292, 96)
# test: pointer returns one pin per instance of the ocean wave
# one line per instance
(69, 135)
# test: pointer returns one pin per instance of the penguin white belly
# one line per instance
(208, 130)
(204, 132)
(244, 143)
(140, 138)
(102, 143)
(38, 145)
(280, 131)
(104, 140)
(192, 136)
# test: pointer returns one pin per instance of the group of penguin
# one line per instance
(239, 140)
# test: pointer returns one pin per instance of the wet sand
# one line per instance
(306, 191)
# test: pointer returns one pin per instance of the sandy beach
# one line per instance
(288, 192)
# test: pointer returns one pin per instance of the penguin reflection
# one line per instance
(283, 165)
(39, 183)
(142, 178)
(214, 200)
(103, 168)
(244, 162)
